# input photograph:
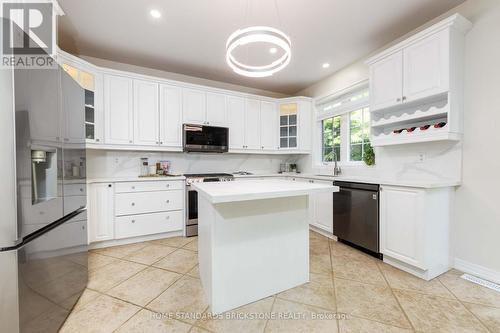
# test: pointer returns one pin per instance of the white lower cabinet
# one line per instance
(101, 212)
(322, 208)
(146, 224)
(148, 202)
(133, 209)
(414, 229)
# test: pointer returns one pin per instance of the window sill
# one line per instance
(360, 164)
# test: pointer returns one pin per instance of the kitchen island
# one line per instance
(253, 239)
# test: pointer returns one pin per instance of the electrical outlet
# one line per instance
(421, 158)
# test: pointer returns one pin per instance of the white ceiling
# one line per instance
(190, 37)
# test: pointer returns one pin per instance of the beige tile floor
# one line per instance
(154, 287)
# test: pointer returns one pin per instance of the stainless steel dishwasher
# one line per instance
(356, 215)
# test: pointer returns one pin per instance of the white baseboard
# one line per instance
(322, 232)
(477, 270)
(125, 241)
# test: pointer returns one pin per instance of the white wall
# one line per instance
(115, 163)
(477, 214)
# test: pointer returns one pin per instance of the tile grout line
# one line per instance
(466, 308)
(334, 286)
(144, 307)
(272, 308)
(397, 300)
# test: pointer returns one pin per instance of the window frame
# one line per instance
(345, 126)
(349, 161)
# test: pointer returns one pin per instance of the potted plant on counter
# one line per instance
(369, 156)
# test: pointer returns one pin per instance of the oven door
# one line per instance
(192, 212)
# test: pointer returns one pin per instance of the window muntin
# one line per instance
(359, 133)
(288, 125)
(331, 139)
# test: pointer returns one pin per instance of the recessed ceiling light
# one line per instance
(273, 50)
(325, 65)
(155, 13)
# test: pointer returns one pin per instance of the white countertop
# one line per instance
(133, 179)
(363, 179)
(221, 192)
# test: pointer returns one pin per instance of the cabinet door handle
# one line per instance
(133, 221)
(168, 201)
(133, 187)
(129, 141)
(167, 218)
(81, 189)
(398, 100)
(161, 142)
(168, 185)
(109, 185)
(133, 203)
(404, 98)
(97, 140)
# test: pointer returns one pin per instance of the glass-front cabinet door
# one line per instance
(87, 81)
(288, 126)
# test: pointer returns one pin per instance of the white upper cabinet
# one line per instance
(90, 79)
(252, 124)
(417, 71)
(194, 106)
(118, 109)
(216, 110)
(236, 122)
(146, 113)
(426, 67)
(418, 83)
(268, 125)
(170, 116)
(386, 82)
(73, 114)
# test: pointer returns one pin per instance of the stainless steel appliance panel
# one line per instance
(49, 254)
(210, 139)
(356, 214)
(52, 273)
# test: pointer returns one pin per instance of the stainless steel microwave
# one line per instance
(205, 139)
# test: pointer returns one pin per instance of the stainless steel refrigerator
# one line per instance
(43, 252)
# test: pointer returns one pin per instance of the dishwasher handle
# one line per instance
(357, 186)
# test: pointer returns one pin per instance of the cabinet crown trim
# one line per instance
(456, 21)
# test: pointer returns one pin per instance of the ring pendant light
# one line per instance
(258, 34)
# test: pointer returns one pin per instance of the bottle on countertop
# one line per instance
(144, 167)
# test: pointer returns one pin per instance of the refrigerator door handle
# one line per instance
(43, 230)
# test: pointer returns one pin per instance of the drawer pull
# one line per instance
(133, 221)
(133, 187)
(81, 189)
(167, 218)
(168, 201)
(133, 203)
(168, 185)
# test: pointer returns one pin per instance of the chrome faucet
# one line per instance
(336, 168)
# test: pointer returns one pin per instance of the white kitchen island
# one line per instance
(253, 239)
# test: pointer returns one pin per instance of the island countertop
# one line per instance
(222, 192)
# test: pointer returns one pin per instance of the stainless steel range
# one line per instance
(192, 197)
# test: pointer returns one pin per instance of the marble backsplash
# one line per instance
(114, 163)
